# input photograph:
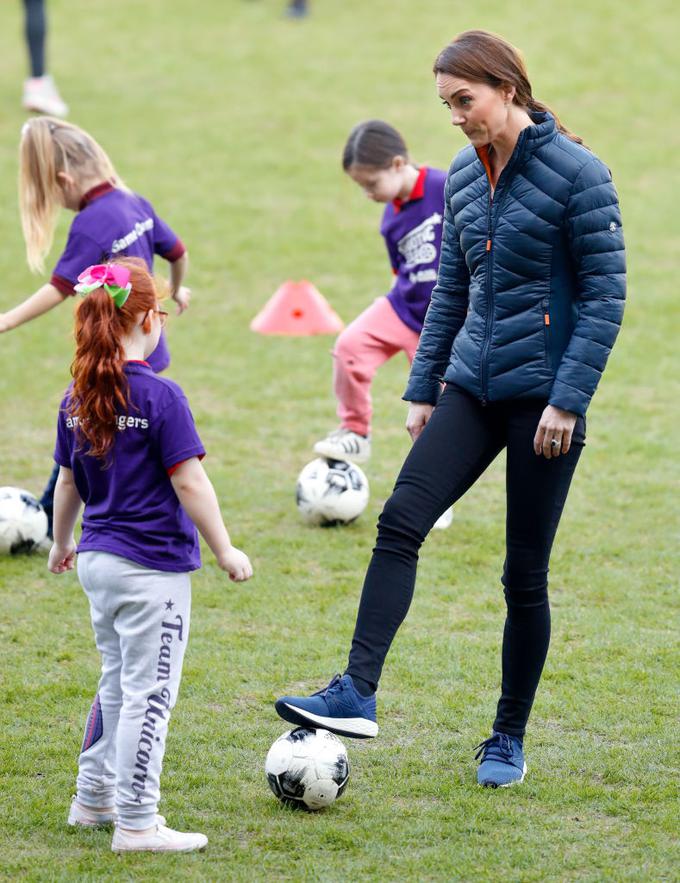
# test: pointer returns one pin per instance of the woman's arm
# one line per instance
(67, 504)
(595, 240)
(196, 494)
(43, 300)
(179, 293)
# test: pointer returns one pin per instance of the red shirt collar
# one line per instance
(137, 362)
(95, 193)
(417, 192)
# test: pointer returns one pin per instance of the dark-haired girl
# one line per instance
(527, 306)
(128, 449)
(377, 159)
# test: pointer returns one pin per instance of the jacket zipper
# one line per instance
(546, 331)
(490, 228)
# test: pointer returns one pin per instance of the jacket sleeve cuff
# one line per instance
(422, 391)
(569, 399)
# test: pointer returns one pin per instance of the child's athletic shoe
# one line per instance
(82, 816)
(339, 707)
(502, 761)
(89, 816)
(42, 96)
(444, 520)
(343, 444)
(156, 839)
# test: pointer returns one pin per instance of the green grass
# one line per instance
(232, 119)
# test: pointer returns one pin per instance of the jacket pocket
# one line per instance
(545, 310)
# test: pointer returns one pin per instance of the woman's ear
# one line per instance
(509, 92)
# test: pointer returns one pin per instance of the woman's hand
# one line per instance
(236, 563)
(62, 558)
(418, 415)
(182, 298)
(555, 428)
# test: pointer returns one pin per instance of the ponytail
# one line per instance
(100, 391)
(487, 58)
(49, 146)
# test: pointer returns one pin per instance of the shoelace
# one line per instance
(335, 686)
(499, 745)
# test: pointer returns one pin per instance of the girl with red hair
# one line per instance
(128, 449)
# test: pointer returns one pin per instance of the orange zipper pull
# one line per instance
(546, 318)
(488, 244)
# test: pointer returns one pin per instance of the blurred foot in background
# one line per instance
(40, 92)
(297, 9)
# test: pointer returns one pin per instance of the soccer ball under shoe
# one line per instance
(331, 492)
(307, 768)
(23, 521)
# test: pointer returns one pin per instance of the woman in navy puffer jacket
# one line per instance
(528, 302)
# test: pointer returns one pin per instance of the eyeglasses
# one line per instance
(163, 316)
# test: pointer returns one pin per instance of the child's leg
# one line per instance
(369, 341)
(152, 622)
(47, 499)
(96, 783)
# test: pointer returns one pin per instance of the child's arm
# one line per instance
(179, 293)
(43, 300)
(67, 504)
(197, 495)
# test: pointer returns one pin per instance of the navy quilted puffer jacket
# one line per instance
(531, 285)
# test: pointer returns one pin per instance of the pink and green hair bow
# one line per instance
(113, 278)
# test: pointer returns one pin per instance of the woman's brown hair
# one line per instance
(100, 392)
(484, 57)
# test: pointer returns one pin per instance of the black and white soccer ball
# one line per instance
(23, 521)
(331, 492)
(307, 768)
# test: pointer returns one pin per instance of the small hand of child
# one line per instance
(62, 558)
(182, 298)
(236, 563)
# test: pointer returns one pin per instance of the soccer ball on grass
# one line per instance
(23, 521)
(307, 768)
(331, 492)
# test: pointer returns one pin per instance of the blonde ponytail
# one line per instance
(49, 146)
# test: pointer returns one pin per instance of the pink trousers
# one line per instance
(371, 339)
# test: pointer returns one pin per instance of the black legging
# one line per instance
(35, 28)
(460, 440)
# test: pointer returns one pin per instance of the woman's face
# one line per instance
(380, 185)
(480, 110)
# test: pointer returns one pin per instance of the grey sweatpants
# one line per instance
(141, 625)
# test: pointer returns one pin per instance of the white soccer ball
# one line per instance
(307, 768)
(331, 492)
(23, 521)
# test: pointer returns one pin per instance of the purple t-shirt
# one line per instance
(413, 235)
(115, 223)
(131, 508)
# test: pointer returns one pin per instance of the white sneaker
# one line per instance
(444, 520)
(82, 816)
(156, 839)
(343, 444)
(42, 96)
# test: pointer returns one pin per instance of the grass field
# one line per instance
(231, 120)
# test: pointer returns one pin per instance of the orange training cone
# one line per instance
(297, 308)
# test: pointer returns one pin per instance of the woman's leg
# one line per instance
(536, 492)
(459, 442)
(370, 340)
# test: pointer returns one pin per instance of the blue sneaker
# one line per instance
(338, 708)
(502, 762)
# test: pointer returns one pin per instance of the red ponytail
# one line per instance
(100, 387)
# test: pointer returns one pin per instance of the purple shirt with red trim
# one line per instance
(413, 235)
(112, 223)
(131, 508)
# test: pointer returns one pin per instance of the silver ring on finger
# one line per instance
(554, 443)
